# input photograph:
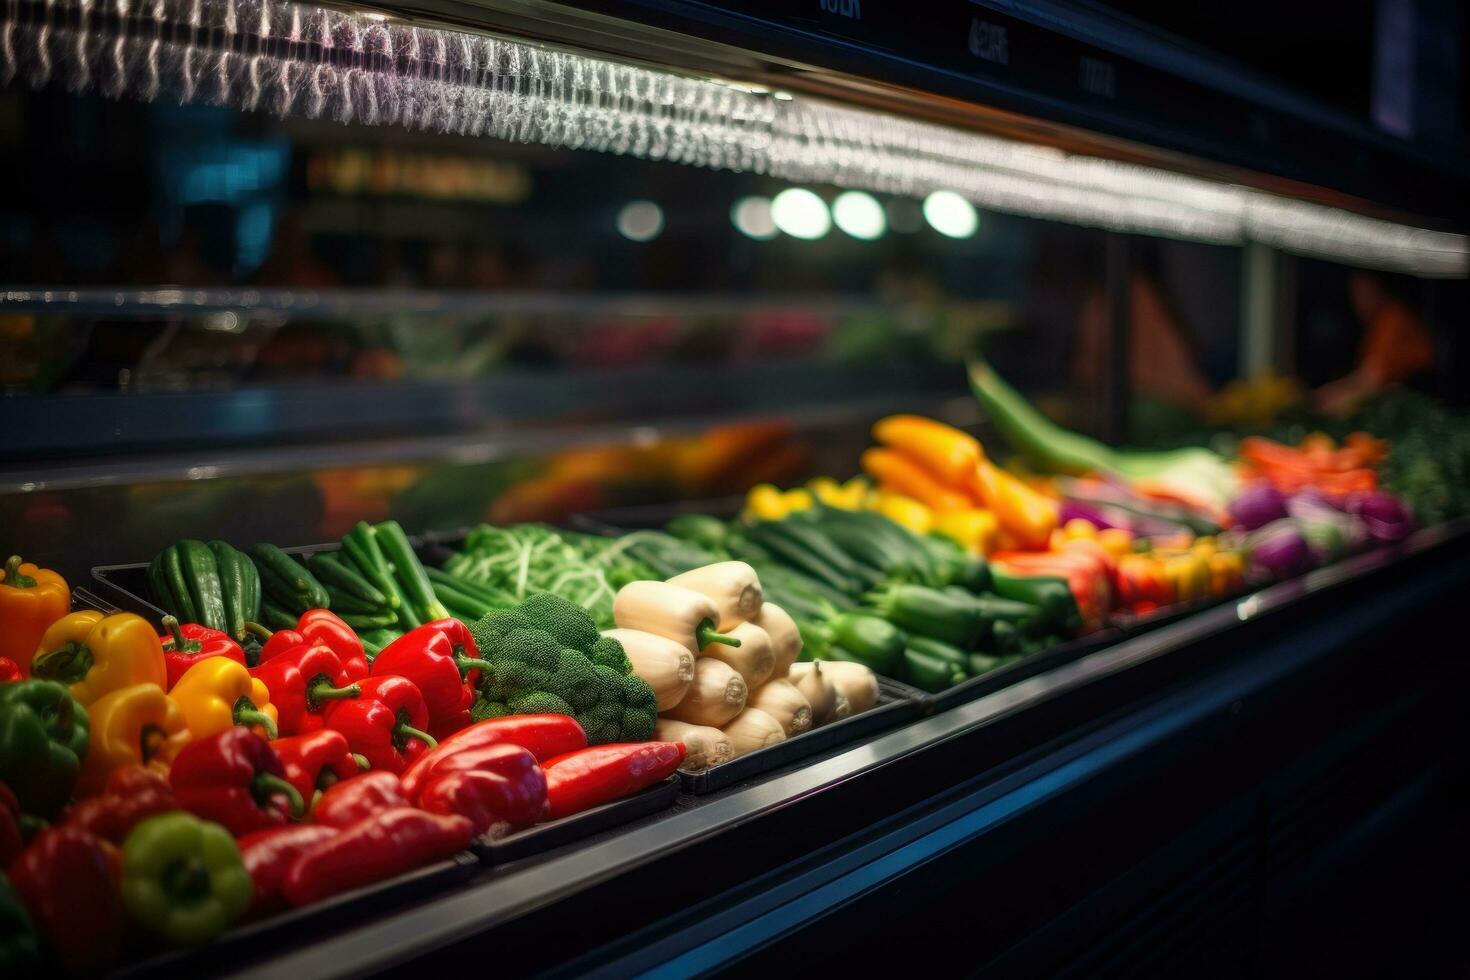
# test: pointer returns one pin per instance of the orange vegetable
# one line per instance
(901, 474)
(940, 449)
(1026, 515)
(31, 599)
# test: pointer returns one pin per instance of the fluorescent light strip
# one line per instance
(298, 60)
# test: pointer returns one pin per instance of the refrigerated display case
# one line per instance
(280, 269)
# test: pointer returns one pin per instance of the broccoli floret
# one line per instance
(563, 619)
(609, 653)
(494, 625)
(539, 703)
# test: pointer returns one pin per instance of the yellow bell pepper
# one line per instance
(905, 511)
(894, 469)
(31, 599)
(825, 489)
(131, 726)
(797, 499)
(1204, 546)
(942, 450)
(1028, 516)
(97, 654)
(1078, 528)
(1189, 573)
(219, 692)
(765, 503)
(1227, 572)
(973, 527)
(1116, 541)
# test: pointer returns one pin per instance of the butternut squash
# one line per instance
(731, 585)
(717, 694)
(665, 664)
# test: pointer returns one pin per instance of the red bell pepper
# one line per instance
(320, 627)
(302, 682)
(386, 724)
(347, 802)
(12, 840)
(70, 882)
(381, 846)
(132, 794)
(581, 780)
(10, 671)
(544, 736)
(501, 788)
(316, 761)
(269, 854)
(441, 658)
(187, 644)
(236, 779)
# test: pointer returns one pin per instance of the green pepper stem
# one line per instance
(14, 578)
(69, 664)
(363, 765)
(186, 881)
(257, 630)
(246, 713)
(268, 784)
(705, 634)
(467, 664)
(181, 642)
(322, 690)
(404, 731)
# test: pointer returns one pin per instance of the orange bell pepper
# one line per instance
(31, 599)
(131, 726)
(1027, 515)
(946, 452)
(902, 474)
(96, 654)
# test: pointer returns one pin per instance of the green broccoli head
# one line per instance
(494, 625)
(609, 653)
(563, 619)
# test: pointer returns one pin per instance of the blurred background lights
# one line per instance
(860, 215)
(752, 217)
(949, 214)
(801, 214)
(640, 221)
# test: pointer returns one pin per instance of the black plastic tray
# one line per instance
(897, 703)
(304, 925)
(568, 830)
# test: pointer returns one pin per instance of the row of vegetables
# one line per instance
(297, 725)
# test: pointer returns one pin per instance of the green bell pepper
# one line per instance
(43, 738)
(183, 878)
(18, 949)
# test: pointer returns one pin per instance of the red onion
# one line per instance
(1387, 518)
(1257, 505)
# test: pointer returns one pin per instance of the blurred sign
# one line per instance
(386, 173)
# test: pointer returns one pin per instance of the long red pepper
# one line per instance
(349, 801)
(384, 845)
(184, 645)
(269, 854)
(68, 880)
(442, 660)
(302, 682)
(581, 780)
(236, 779)
(544, 736)
(386, 724)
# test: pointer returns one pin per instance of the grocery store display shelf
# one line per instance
(853, 821)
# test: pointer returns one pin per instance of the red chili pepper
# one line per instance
(581, 780)
(187, 644)
(302, 682)
(316, 761)
(10, 671)
(441, 658)
(269, 854)
(132, 794)
(544, 736)
(386, 724)
(381, 846)
(236, 779)
(12, 840)
(324, 627)
(69, 880)
(347, 802)
(504, 789)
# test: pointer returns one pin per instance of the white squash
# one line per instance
(785, 637)
(666, 665)
(753, 729)
(856, 681)
(717, 694)
(704, 746)
(782, 701)
(731, 585)
(820, 693)
(753, 658)
(670, 611)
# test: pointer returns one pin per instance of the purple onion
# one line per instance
(1257, 505)
(1386, 517)
(1078, 510)
(1278, 550)
(1330, 532)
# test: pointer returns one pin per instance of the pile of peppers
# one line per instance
(171, 785)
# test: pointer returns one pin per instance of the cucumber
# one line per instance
(931, 612)
(275, 617)
(369, 621)
(409, 571)
(790, 552)
(345, 581)
(280, 592)
(231, 567)
(292, 572)
(201, 573)
(872, 639)
(361, 546)
(178, 586)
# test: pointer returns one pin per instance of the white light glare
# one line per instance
(951, 215)
(752, 218)
(640, 221)
(860, 215)
(801, 214)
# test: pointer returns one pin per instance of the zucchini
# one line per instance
(930, 673)
(295, 574)
(381, 620)
(232, 569)
(930, 612)
(159, 585)
(931, 647)
(345, 581)
(872, 639)
(201, 574)
(361, 546)
(1050, 594)
(789, 551)
(279, 591)
(178, 585)
(275, 617)
(409, 571)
